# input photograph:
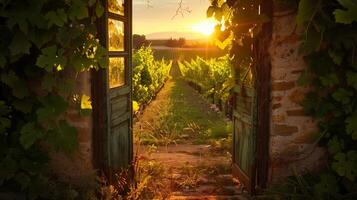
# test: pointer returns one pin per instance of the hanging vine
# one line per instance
(328, 45)
(44, 45)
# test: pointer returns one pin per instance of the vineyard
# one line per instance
(212, 77)
(181, 131)
(149, 75)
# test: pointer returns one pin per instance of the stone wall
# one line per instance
(292, 134)
(77, 168)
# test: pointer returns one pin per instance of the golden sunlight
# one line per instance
(205, 27)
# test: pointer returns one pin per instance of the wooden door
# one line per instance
(244, 134)
(251, 112)
(112, 91)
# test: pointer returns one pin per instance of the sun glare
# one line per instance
(205, 27)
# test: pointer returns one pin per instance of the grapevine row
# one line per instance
(212, 77)
(149, 75)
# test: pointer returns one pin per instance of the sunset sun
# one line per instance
(205, 27)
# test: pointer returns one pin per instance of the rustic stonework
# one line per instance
(278, 118)
(292, 133)
(297, 96)
(276, 106)
(284, 130)
(77, 167)
(282, 86)
(296, 112)
(307, 137)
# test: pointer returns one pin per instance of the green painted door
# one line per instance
(244, 135)
(118, 144)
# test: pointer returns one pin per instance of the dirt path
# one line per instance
(182, 145)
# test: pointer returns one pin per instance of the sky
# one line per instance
(152, 16)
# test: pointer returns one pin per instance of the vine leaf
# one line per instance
(342, 95)
(329, 80)
(64, 137)
(335, 145)
(352, 79)
(345, 164)
(351, 125)
(19, 44)
(58, 18)
(4, 121)
(30, 134)
(348, 15)
(210, 11)
(337, 56)
(327, 185)
(53, 107)
(306, 11)
(49, 59)
(17, 85)
(311, 42)
(48, 82)
(78, 10)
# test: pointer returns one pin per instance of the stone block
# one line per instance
(283, 86)
(307, 137)
(284, 130)
(296, 112)
(297, 96)
(276, 106)
(278, 118)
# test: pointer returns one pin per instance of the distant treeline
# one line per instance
(181, 42)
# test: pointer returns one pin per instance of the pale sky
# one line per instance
(157, 17)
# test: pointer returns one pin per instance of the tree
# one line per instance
(139, 41)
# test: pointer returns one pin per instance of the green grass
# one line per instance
(185, 118)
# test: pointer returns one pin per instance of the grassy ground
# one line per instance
(182, 147)
(181, 115)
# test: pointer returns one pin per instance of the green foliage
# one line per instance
(241, 23)
(149, 75)
(329, 55)
(213, 76)
(348, 14)
(44, 44)
(328, 45)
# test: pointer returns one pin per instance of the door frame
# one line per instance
(100, 91)
(262, 89)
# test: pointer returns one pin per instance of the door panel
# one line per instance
(116, 72)
(116, 6)
(244, 136)
(120, 147)
(119, 112)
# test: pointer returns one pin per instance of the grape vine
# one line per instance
(149, 76)
(44, 46)
(213, 76)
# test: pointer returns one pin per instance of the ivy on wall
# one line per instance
(328, 44)
(44, 45)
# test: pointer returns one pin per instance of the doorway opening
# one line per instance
(181, 99)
